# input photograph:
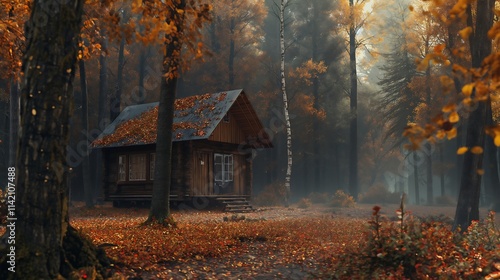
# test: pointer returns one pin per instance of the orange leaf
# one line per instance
(449, 108)
(467, 89)
(476, 150)
(465, 33)
(454, 118)
(462, 150)
(480, 172)
(439, 48)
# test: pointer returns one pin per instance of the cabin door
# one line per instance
(223, 174)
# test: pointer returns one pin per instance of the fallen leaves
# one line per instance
(193, 115)
(215, 247)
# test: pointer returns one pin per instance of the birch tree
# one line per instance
(288, 175)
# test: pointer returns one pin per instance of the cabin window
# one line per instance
(137, 167)
(152, 159)
(122, 166)
(223, 167)
(228, 168)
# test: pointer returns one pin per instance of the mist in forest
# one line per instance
(242, 52)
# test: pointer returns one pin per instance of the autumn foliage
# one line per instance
(413, 249)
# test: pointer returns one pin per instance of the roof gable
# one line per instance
(195, 117)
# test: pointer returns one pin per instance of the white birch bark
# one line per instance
(285, 103)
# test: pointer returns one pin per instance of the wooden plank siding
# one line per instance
(228, 132)
(202, 173)
(239, 174)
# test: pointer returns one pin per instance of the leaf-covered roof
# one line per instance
(195, 118)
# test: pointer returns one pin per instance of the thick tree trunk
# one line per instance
(14, 121)
(87, 182)
(470, 185)
(46, 105)
(160, 204)
(285, 105)
(353, 130)
(492, 182)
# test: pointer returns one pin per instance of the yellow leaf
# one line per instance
(467, 89)
(497, 140)
(452, 133)
(465, 33)
(454, 118)
(462, 150)
(476, 150)
(480, 172)
(449, 108)
(440, 134)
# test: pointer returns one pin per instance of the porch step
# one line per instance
(236, 204)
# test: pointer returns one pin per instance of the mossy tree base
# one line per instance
(80, 258)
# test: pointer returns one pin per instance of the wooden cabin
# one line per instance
(214, 136)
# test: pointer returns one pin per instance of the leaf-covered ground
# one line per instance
(269, 244)
(273, 243)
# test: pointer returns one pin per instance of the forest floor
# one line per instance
(270, 243)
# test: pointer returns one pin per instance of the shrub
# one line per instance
(409, 249)
(318, 198)
(271, 195)
(379, 194)
(341, 199)
(304, 203)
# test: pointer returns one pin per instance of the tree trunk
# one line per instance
(428, 150)
(492, 182)
(442, 174)
(14, 121)
(103, 115)
(470, 185)
(142, 72)
(46, 105)
(415, 178)
(116, 100)
(353, 132)
(231, 54)
(288, 175)
(160, 204)
(316, 131)
(87, 183)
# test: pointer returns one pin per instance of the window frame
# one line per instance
(123, 164)
(137, 164)
(226, 164)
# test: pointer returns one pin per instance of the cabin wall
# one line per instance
(228, 132)
(192, 171)
(203, 168)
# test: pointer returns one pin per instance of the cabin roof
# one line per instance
(195, 118)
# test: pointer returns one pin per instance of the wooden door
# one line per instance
(202, 175)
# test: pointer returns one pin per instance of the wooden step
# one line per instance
(237, 205)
